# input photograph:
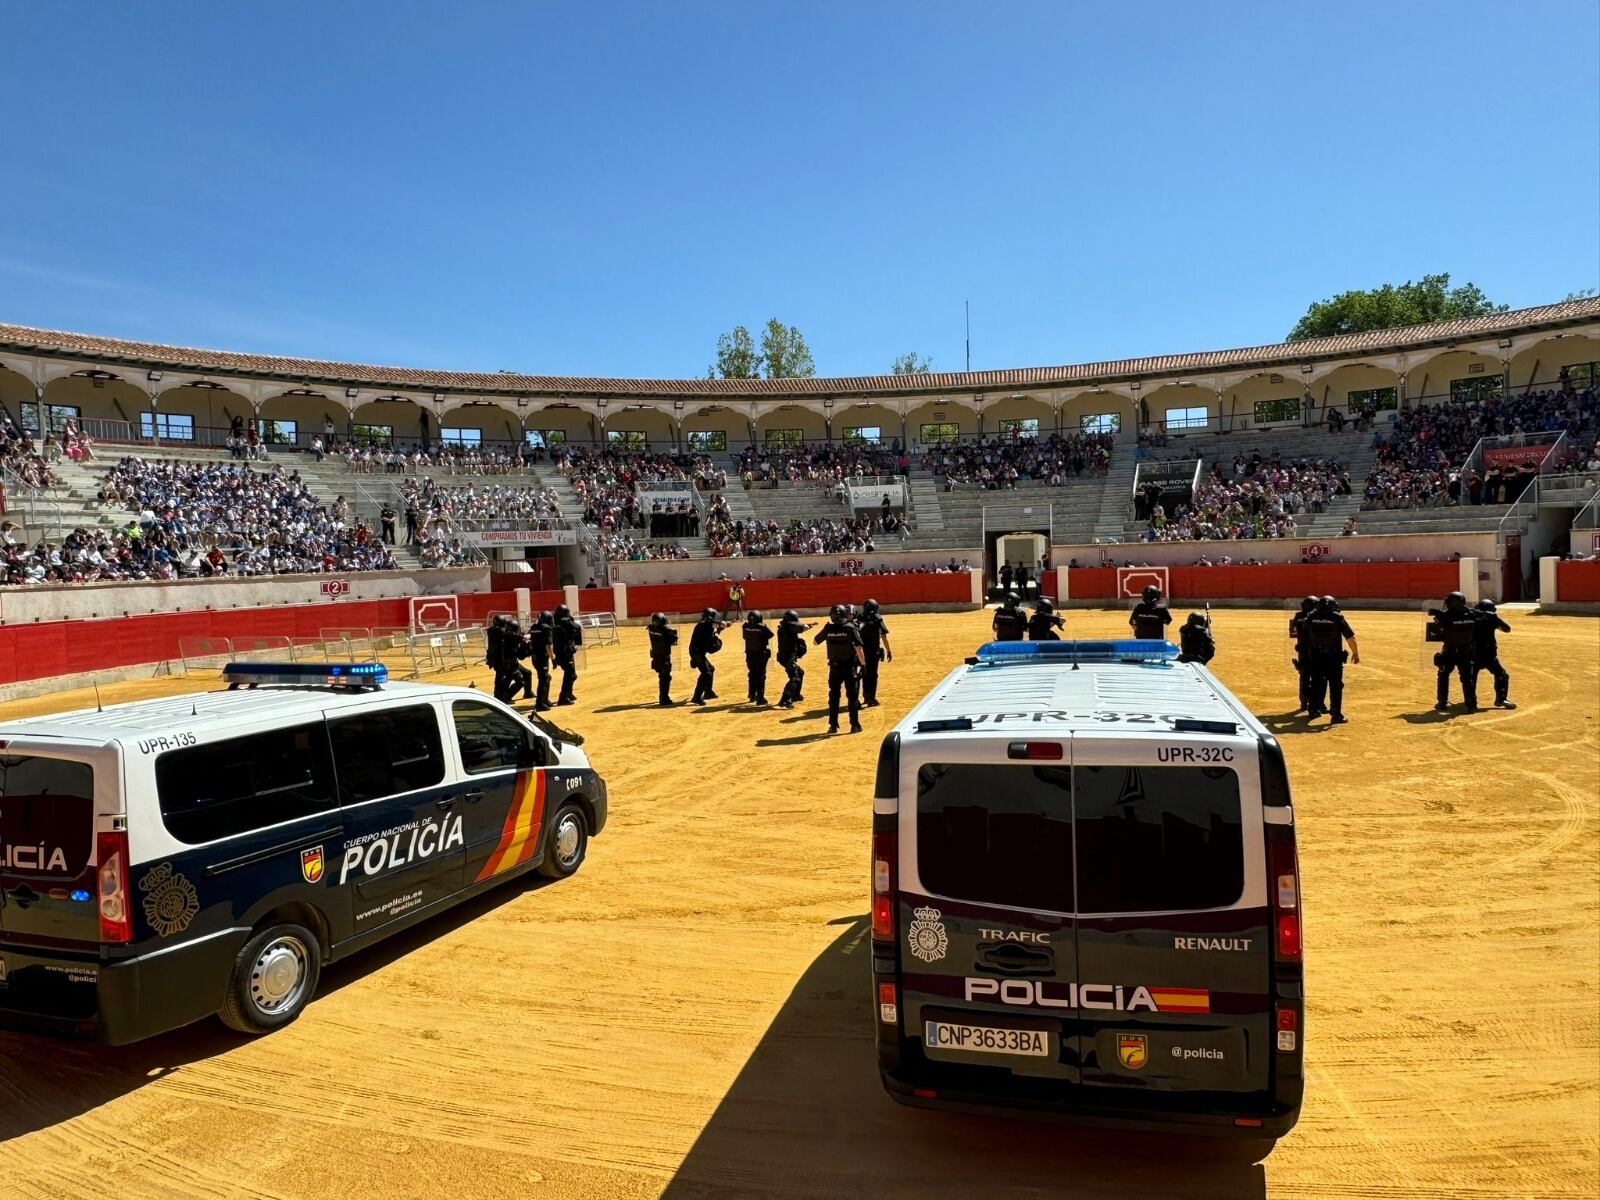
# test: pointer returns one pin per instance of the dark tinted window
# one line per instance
(387, 752)
(1158, 838)
(223, 788)
(46, 816)
(490, 740)
(996, 835)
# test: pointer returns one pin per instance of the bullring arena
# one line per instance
(690, 1015)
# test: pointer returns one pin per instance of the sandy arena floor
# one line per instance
(689, 1016)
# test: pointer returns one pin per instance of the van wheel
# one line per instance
(273, 978)
(567, 844)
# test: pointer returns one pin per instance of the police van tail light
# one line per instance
(883, 881)
(111, 852)
(1285, 886)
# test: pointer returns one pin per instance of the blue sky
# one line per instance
(602, 189)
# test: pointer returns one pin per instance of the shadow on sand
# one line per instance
(807, 1117)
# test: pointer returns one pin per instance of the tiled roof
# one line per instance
(148, 355)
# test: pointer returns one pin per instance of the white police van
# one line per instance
(168, 859)
(1086, 896)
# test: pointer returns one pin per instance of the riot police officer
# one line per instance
(1325, 627)
(845, 658)
(494, 657)
(1302, 650)
(1486, 651)
(515, 648)
(757, 652)
(1455, 625)
(875, 646)
(1010, 622)
(662, 639)
(540, 636)
(1195, 641)
(703, 643)
(791, 649)
(564, 643)
(1043, 624)
(1150, 617)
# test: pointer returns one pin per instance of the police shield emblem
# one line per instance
(1133, 1051)
(311, 864)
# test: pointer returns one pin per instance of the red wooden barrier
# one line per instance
(775, 595)
(1578, 582)
(1284, 581)
(596, 600)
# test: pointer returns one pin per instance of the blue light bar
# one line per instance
(1126, 650)
(336, 675)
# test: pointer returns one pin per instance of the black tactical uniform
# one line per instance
(844, 665)
(1010, 622)
(1195, 641)
(564, 643)
(1005, 577)
(494, 657)
(514, 649)
(703, 643)
(540, 635)
(757, 653)
(1043, 624)
(1455, 625)
(1150, 617)
(1325, 629)
(662, 639)
(791, 649)
(1302, 649)
(1486, 651)
(875, 642)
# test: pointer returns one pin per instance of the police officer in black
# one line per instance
(540, 636)
(1456, 626)
(845, 658)
(564, 643)
(515, 648)
(1325, 628)
(1043, 624)
(1302, 650)
(791, 649)
(663, 638)
(1010, 622)
(1150, 617)
(757, 653)
(494, 657)
(703, 643)
(1195, 643)
(1486, 651)
(875, 645)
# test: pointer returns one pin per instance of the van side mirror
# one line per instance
(534, 752)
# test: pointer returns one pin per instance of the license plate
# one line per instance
(984, 1039)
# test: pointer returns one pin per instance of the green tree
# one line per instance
(1585, 294)
(736, 356)
(1388, 307)
(911, 363)
(785, 351)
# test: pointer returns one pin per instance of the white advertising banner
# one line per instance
(513, 536)
(870, 495)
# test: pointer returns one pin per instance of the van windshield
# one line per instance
(46, 816)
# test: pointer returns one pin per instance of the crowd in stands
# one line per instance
(608, 482)
(728, 538)
(1255, 497)
(1421, 455)
(430, 506)
(227, 518)
(372, 457)
(22, 458)
(619, 547)
(996, 463)
(829, 467)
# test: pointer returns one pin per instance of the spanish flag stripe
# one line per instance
(522, 820)
(1182, 999)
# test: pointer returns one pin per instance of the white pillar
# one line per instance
(1062, 594)
(619, 592)
(1547, 581)
(1468, 579)
(524, 605)
(977, 585)
(570, 596)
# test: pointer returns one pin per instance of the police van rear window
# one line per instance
(996, 835)
(1153, 839)
(46, 816)
(225, 788)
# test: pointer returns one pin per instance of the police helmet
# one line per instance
(1011, 599)
(1328, 604)
(1152, 592)
(753, 617)
(562, 612)
(1197, 620)
(837, 612)
(850, 611)
(658, 619)
(545, 618)
(1455, 600)
(870, 607)
(1486, 606)
(708, 614)
(1308, 604)
(791, 615)
(1045, 606)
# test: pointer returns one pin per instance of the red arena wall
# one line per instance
(1348, 581)
(1578, 582)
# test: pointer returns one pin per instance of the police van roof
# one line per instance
(1061, 697)
(197, 712)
